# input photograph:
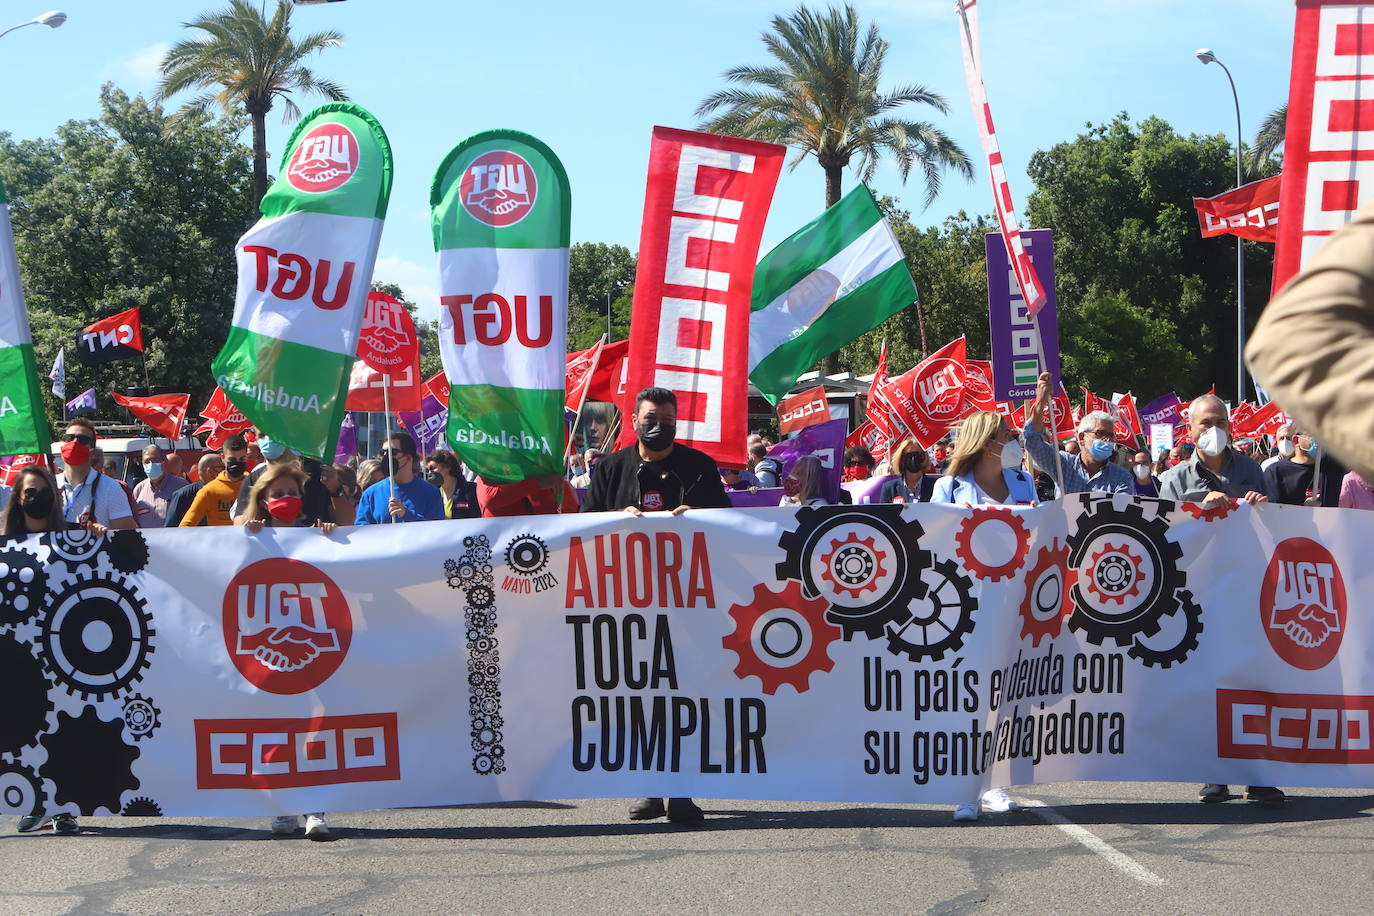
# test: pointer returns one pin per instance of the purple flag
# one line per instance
(826, 442)
(84, 400)
(1017, 360)
(348, 440)
(1162, 410)
(427, 426)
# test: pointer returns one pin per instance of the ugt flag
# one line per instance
(304, 274)
(23, 422)
(117, 337)
(839, 276)
(500, 212)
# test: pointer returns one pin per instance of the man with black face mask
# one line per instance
(214, 504)
(654, 475)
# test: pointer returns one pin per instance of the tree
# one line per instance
(1108, 345)
(1119, 198)
(598, 273)
(1268, 139)
(254, 61)
(822, 98)
(115, 213)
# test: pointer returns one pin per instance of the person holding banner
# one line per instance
(1092, 469)
(912, 484)
(404, 497)
(1290, 477)
(655, 475)
(1144, 483)
(986, 466)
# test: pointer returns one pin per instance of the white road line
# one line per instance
(1092, 841)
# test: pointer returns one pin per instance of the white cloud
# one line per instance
(420, 282)
(140, 70)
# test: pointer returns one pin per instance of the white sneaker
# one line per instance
(316, 828)
(997, 801)
(966, 812)
(285, 825)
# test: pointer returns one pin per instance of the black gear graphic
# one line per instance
(482, 764)
(96, 635)
(141, 717)
(481, 596)
(496, 720)
(22, 584)
(478, 619)
(21, 791)
(74, 547)
(25, 691)
(490, 704)
(469, 541)
(142, 807)
(527, 554)
(466, 569)
(895, 537)
(480, 554)
(1179, 652)
(127, 550)
(88, 761)
(933, 631)
(1137, 614)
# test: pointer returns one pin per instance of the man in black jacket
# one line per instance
(656, 475)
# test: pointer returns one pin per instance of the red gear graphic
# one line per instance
(963, 543)
(1056, 555)
(1108, 551)
(874, 574)
(1213, 514)
(812, 610)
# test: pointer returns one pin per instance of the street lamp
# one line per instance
(1207, 57)
(52, 19)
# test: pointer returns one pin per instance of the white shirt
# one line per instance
(110, 501)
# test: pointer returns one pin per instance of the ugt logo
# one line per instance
(287, 626)
(325, 159)
(1302, 604)
(499, 188)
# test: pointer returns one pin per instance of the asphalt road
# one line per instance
(1094, 847)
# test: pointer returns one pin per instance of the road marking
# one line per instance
(1092, 841)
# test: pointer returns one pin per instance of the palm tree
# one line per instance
(821, 97)
(254, 61)
(1268, 138)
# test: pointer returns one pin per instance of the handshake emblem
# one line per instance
(283, 625)
(1308, 625)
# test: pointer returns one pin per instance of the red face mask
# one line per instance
(939, 454)
(1173, 462)
(791, 486)
(75, 453)
(285, 510)
(856, 472)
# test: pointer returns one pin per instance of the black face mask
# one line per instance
(913, 464)
(435, 478)
(37, 505)
(235, 467)
(658, 436)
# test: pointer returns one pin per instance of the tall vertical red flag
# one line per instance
(704, 208)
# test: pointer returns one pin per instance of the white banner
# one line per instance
(890, 653)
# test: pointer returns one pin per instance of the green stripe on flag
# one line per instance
(292, 393)
(504, 432)
(23, 422)
(859, 311)
(813, 245)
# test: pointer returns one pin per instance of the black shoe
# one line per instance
(1212, 793)
(64, 825)
(1268, 796)
(684, 811)
(646, 809)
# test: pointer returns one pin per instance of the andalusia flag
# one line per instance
(500, 212)
(304, 273)
(840, 275)
(23, 422)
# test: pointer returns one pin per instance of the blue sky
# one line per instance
(591, 80)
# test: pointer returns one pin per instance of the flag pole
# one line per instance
(582, 401)
(390, 464)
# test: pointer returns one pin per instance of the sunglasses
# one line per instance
(856, 464)
(82, 438)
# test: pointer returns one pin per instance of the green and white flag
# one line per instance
(305, 270)
(839, 276)
(23, 421)
(500, 211)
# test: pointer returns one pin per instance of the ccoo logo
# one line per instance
(499, 188)
(1302, 604)
(287, 626)
(325, 159)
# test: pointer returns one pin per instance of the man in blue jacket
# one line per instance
(405, 497)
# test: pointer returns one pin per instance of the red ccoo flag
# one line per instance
(164, 414)
(1251, 211)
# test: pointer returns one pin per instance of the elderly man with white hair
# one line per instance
(1092, 468)
(1215, 472)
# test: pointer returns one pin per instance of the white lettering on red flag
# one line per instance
(705, 206)
(803, 410)
(1250, 211)
(929, 398)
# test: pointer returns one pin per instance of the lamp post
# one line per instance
(52, 19)
(1207, 57)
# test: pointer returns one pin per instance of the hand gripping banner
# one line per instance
(704, 209)
(23, 419)
(500, 206)
(893, 653)
(304, 273)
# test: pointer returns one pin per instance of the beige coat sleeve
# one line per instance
(1313, 348)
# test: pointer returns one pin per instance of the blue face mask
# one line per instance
(1101, 450)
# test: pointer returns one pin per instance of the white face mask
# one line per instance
(1142, 472)
(1011, 454)
(1213, 441)
(1286, 448)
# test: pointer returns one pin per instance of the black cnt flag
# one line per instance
(117, 337)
